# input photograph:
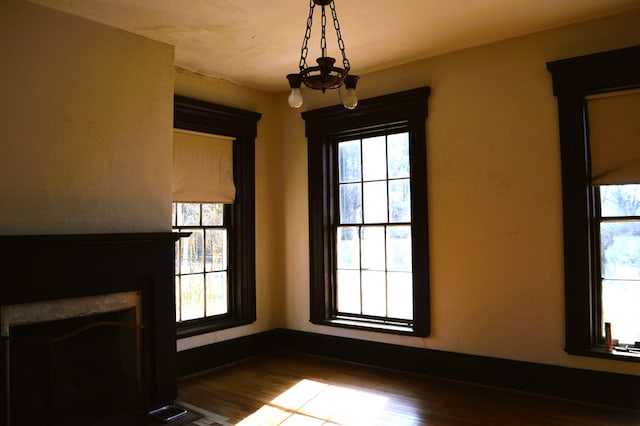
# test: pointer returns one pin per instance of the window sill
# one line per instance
(194, 329)
(616, 355)
(371, 326)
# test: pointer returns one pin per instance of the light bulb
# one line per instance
(295, 98)
(350, 100)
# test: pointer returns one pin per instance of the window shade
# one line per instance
(202, 168)
(614, 137)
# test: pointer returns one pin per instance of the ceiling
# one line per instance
(256, 43)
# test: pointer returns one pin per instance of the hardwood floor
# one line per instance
(297, 389)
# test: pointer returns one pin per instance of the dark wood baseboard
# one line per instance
(198, 360)
(613, 389)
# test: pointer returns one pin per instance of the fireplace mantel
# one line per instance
(39, 268)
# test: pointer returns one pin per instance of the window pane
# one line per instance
(192, 296)
(375, 202)
(188, 214)
(400, 295)
(178, 256)
(400, 201)
(212, 214)
(173, 214)
(374, 158)
(348, 247)
(178, 306)
(216, 259)
(620, 250)
(373, 244)
(620, 200)
(398, 152)
(374, 294)
(350, 203)
(348, 291)
(399, 248)
(216, 293)
(620, 308)
(192, 256)
(349, 161)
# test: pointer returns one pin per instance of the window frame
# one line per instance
(206, 117)
(403, 111)
(573, 80)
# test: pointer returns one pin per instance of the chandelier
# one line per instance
(325, 75)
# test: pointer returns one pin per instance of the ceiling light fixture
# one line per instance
(324, 75)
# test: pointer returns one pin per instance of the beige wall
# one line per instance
(85, 125)
(494, 191)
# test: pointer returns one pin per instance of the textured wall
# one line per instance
(85, 125)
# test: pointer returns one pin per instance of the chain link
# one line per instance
(336, 24)
(323, 39)
(307, 35)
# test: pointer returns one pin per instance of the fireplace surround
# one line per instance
(49, 272)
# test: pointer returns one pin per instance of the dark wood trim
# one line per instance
(406, 111)
(202, 116)
(207, 117)
(573, 80)
(395, 107)
(203, 358)
(244, 226)
(592, 386)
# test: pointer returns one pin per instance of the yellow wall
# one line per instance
(494, 191)
(85, 125)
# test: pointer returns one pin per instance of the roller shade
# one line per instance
(202, 168)
(614, 137)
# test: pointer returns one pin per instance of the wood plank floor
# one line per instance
(297, 389)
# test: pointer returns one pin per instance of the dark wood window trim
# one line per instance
(405, 110)
(573, 80)
(206, 117)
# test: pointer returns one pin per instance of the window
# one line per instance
(368, 214)
(620, 261)
(373, 229)
(600, 198)
(201, 260)
(215, 263)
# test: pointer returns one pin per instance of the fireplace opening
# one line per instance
(81, 367)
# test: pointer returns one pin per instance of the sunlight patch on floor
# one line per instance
(314, 403)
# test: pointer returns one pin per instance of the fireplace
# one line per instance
(57, 351)
(88, 328)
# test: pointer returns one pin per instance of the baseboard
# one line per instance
(613, 389)
(203, 358)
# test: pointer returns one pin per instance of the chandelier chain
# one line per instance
(336, 24)
(323, 37)
(327, 74)
(307, 35)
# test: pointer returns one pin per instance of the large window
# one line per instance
(215, 261)
(373, 229)
(600, 147)
(368, 215)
